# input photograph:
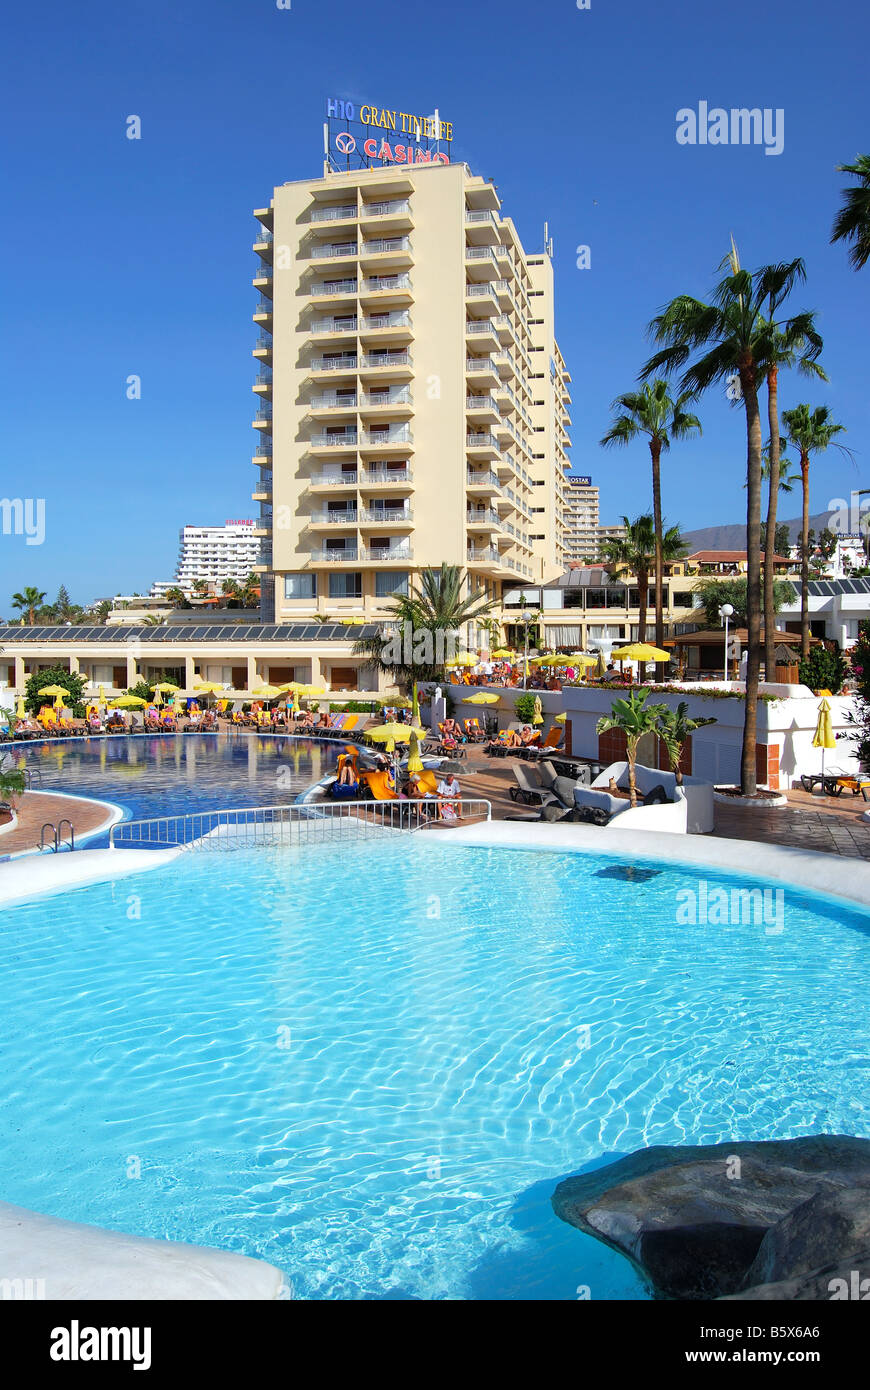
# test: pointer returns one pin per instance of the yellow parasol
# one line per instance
(640, 651)
(267, 692)
(20, 712)
(581, 659)
(551, 659)
(502, 654)
(463, 659)
(482, 698)
(58, 691)
(390, 734)
(415, 762)
(128, 702)
(164, 687)
(560, 718)
(824, 735)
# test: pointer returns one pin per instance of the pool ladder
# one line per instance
(56, 841)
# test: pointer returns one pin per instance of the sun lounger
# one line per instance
(529, 789)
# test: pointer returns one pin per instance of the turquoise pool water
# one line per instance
(371, 1064)
(172, 774)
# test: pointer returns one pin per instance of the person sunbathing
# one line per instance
(507, 738)
(347, 770)
(528, 734)
(451, 730)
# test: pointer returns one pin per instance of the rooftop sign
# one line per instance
(360, 138)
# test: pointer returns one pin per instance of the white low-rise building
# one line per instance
(837, 606)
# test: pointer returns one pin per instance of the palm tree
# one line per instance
(440, 606)
(732, 335)
(810, 431)
(651, 411)
(673, 728)
(176, 597)
(793, 343)
(28, 601)
(635, 553)
(634, 717)
(852, 223)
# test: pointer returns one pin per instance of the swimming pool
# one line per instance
(171, 774)
(371, 1064)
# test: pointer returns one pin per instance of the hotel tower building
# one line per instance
(412, 400)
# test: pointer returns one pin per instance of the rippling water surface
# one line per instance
(370, 1065)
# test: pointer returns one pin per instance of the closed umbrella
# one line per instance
(824, 736)
(538, 715)
(20, 711)
(600, 665)
(415, 762)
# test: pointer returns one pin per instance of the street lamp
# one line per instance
(725, 612)
(526, 618)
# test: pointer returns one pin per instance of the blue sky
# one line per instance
(124, 257)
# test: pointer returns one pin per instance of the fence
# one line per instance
(265, 827)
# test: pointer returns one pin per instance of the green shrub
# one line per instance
(823, 670)
(54, 675)
(525, 707)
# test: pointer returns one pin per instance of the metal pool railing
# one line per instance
(300, 823)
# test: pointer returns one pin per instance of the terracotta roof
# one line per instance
(717, 557)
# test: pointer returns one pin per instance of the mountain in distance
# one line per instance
(733, 536)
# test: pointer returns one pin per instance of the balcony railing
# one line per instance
(481, 403)
(335, 438)
(264, 413)
(262, 235)
(388, 514)
(263, 343)
(391, 552)
(481, 478)
(336, 518)
(334, 479)
(334, 364)
(333, 214)
(263, 271)
(388, 282)
(487, 516)
(484, 555)
(334, 287)
(387, 359)
(333, 249)
(263, 379)
(479, 253)
(334, 556)
(263, 447)
(387, 209)
(402, 397)
(396, 319)
(481, 441)
(348, 325)
(263, 306)
(330, 400)
(473, 326)
(387, 475)
(479, 364)
(381, 245)
(390, 437)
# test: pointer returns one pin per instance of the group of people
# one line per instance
(441, 790)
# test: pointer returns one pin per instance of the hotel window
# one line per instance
(345, 585)
(389, 582)
(300, 586)
(684, 598)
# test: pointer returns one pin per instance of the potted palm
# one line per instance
(673, 728)
(634, 717)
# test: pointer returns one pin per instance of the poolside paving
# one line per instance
(34, 809)
(832, 825)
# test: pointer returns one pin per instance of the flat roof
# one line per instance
(181, 632)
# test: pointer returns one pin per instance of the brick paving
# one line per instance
(34, 809)
(832, 825)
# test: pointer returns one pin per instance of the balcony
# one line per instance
(394, 214)
(334, 439)
(379, 287)
(262, 348)
(336, 363)
(262, 280)
(399, 479)
(262, 383)
(339, 212)
(263, 313)
(330, 289)
(483, 332)
(387, 554)
(482, 482)
(397, 362)
(330, 480)
(396, 324)
(262, 451)
(398, 401)
(482, 445)
(481, 263)
(386, 438)
(387, 251)
(333, 555)
(330, 401)
(484, 555)
(387, 516)
(482, 370)
(483, 408)
(483, 296)
(481, 228)
(332, 518)
(332, 250)
(263, 417)
(327, 328)
(484, 520)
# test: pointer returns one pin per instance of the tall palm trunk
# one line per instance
(748, 777)
(631, 758)
(642, 596)
(655, 448)
(770, 535)
(805, 555)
